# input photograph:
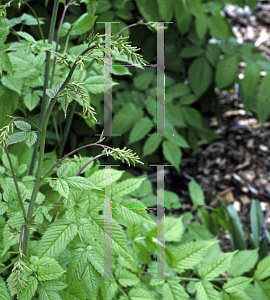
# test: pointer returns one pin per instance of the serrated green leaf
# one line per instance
(78, 182)
(126, 278)
(50, 93)
(31, 99)
(216, 266)
(77, 265)
(98, 177)
(125, 187)
(24, 126)
(133, 212)
(236, 284)
(243, 262)
(4, 294)
(83, 24)
(56, 238)
(190, 254)
(61, 187)
(17, 137)
(54, 285)
(13, 85)
(206, 291)
(173, 290)
(263, 269)
(31, 138)
(196, 193)
(137, 293)
(30, 289)
(48, 269)
(45, 294)
(63, 170)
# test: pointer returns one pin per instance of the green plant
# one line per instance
(51, 224)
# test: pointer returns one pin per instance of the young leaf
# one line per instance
(172, 153)
(151, 144)
(140, 130)
(24, 126)
(126, 187)
(31, 138)
(63, 170)
(172, 289)
(83, 24)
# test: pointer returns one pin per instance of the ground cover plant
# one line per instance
(52, 229)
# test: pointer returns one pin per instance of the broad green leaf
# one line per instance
(48, 269)
(151, 144)
(251, 79)
(216, 266)
(206, 291)
(243, 262)
(201, 25)
(180, 11)
(144, 80)
(174, 229)
(83, 24)
(257, 221)
(65, 28)
(6, 62)
(126, 187)
(236, 284)
(50, 93)
(140, 129)
(226, 71)
(125, 118)
(26, 36)
(78, 182)
(30, 289)
(166, 8)
(61, 186)
(173, 290)
(200, 75)
(192, 51)
(8, 104)
(95, 84)
(149, 10)
(89, 280)
(218, 27)
(196, 193)
(172, 153)
(126, 278)
(56, 238)
(190, 254)
(263, 269)
(75, 292)
(171, 200)
(31, 99)
(12, 83)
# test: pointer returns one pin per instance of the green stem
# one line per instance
(45, 98)
(16, 183)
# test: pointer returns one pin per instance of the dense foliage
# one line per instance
(53, 234)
